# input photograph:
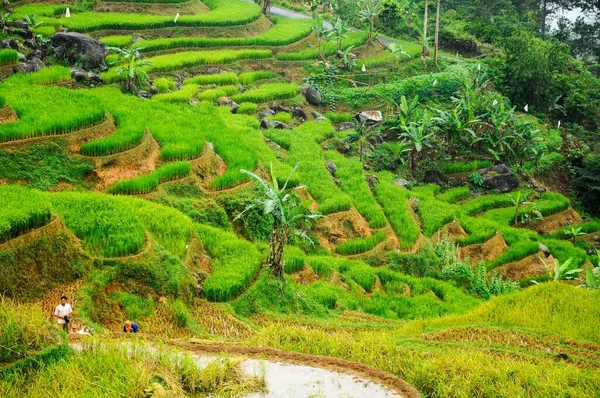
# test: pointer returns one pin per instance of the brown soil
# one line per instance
(450, 232)
(555, 221)
(335, 364)
(337, 228)
(528, 267)
(140, 160)
(338, 280)
(305, 195)
(8, 115)
(187, 8)
(208, 166)
(305, 277)
(486, 251)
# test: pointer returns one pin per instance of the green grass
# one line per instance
(351, 181)
(223, 13)
(21, 210)
(361, 245)
(284, 32)
(268, 92)
(8, 57)
(394, 201)
(171, 62)
(148, 183)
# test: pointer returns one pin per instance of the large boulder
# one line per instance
(299, 113)
(499, 177)
(228, 102)
(332, 168)
(33, 65)
(86, 77)
(369, 117)
(76, 48)
(274, 124)
(10, 44)
(312, 95)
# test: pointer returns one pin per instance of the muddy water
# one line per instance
(285, 380)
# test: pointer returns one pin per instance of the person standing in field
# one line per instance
(63, 313)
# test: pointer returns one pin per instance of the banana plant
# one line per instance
(592, 278)
(338, 32)
(519, 201)
(369, 13)
(417, 137)
(133, 68)
(574, 233)
(564, 271)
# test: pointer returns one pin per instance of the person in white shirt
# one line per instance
(63, 314)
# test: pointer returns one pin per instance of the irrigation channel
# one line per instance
(284, 379)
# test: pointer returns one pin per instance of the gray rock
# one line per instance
(210, 145)
(153, 90)
(34, 65)
(312, 95)
(346, 126)
(332, 168)
(214, 70)
(544, 249)
(86, 77)
(344, 148)
(10, 44)
(228, 102)
(280, 108)
(435, 177)
(299, 113)
(499, 177)
(76, 48)
(145, 94)
(369, 117)
(321, 119)
(372, 180)
(401, 182)
(315, 114)
(274, 124)
(266, 113)
(273, 144)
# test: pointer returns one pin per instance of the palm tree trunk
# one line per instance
(425, 46)
(437, 32)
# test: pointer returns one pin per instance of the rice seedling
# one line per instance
(148, 183)
(350, 176)
(247, 108)
(212, 94)
(338, 117)
(361, 245)
(435, 214)
(268, 92)
(164, 84)
(184, 95)
(235, 263)
(250, 77)
(223, 13)
(394, 201)
(283, 117)
(124, 139)
(121, 41)
(8, 57)
(303, 144)
(515, 252)
(563, 250)
(284, 32)
(170, 62)
(485, 203)
(587, 227)
(21, 210)
(453, 195)
(219, 79)
(50, 75)
(2, 101)
(293, 257)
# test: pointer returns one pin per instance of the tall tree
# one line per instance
(425, 19)
(437, 32)
(369, 13)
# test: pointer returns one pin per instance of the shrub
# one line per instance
(361, 245)
(247, 108)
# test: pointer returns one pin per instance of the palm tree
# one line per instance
(417, 137)
(290, 216)
(369, 13)
(133, 68)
